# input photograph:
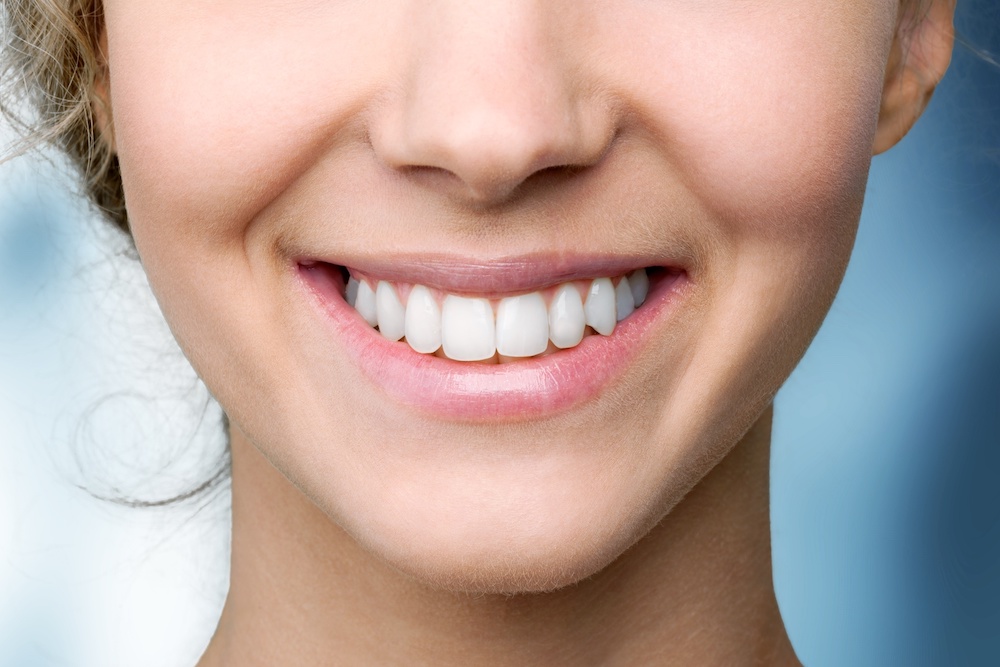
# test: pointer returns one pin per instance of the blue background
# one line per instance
(886, 460)
(886, 465)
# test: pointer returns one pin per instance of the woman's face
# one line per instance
(487, 150)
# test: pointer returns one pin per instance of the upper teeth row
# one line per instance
(467, 329)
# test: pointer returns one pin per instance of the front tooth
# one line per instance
(352, 291)
(639, 282)
(566, 318)
(522, 326)
(623, 299)
(468, 331)
(365, 303)
(423, 321)
(391, 316)
(599, 308)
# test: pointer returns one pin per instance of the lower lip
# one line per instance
(470, 392)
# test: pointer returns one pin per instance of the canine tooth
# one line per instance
(351, 294)
(391, 316)
(566, 318)
(468, 331)
(522, 326)
(423, 321)
(623, 300)
(599, 308)
(365, 303)
(639, 282)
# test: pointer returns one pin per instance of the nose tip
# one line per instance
(483, 154)
(485, 104)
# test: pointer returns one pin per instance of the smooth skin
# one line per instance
(631, 530)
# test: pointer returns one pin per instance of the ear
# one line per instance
(100, 93)
(921, 52)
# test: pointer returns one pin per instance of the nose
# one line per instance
(488, 97)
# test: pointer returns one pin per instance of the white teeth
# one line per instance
(391, 316)
(599, 308)
(365, 304)
(352, 291)
(467, 329)
(639, 282)
(566, 318)
(423, 321)
(522, 326)
(623, 300)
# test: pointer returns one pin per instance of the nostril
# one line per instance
(478, 139)
(485, 190)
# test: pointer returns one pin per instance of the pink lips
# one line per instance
(531, 388)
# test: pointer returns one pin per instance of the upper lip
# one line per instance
(493, 277)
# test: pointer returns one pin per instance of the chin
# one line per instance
(523, 531)
(516, 566)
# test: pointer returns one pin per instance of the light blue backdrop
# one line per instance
(886, 468)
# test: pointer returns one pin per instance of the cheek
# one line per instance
(767, 115)
(220, 106)
(768, 123)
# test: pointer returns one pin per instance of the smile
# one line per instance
(466, 328)
(414, 329)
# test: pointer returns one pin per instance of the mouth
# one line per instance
(486, 342)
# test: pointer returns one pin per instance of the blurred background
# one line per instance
(886, 466)
(886, 461)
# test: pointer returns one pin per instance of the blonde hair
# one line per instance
(52, 63)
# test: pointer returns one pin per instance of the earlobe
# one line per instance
(100, 96)
(921, 53)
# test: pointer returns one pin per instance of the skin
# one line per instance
(632, 529)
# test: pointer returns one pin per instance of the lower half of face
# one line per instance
(495, 287)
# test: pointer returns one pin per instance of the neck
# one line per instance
(696, 590)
